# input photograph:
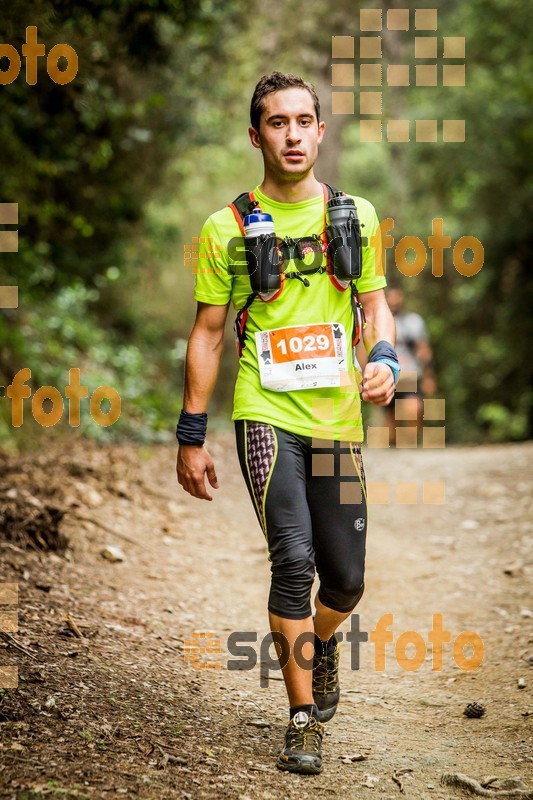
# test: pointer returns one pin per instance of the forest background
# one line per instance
(115, 172)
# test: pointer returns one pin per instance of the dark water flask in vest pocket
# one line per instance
(344, 237)
(262, 257)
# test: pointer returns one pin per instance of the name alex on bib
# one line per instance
(302, 356)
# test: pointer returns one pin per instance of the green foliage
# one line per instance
(116, 171)
(83, 158)
(485, 184)
(82, 161)
(61, 333)
(481, 327)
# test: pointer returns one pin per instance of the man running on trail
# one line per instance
(299, 448)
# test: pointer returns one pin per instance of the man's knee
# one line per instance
(342, 597)
(290, 589)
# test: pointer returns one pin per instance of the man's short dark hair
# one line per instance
(273, 83)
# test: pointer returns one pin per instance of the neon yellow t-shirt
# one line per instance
(332, 413)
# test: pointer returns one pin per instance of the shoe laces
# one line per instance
(307, 738)
(325, 672)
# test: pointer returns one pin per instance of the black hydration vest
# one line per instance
(290, 248)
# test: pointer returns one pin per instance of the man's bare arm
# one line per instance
(378, 382)
(202, 364)
(379, 320)
(204, 351)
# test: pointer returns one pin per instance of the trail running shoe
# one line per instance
(326, 688)
(303, 742)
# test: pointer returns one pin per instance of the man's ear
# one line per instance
(321, 131)
(254, 138)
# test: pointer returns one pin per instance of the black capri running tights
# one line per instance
(311, 505)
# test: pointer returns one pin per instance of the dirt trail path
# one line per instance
(120, 711)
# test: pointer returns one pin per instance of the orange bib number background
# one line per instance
(291, 344)
(302, 356)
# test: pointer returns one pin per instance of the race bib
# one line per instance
(302, 356)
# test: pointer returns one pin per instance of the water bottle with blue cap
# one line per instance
(262, 257)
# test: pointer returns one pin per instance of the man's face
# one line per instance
(289, 134)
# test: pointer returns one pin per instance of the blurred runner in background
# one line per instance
(417, 378)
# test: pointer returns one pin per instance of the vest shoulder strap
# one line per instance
(245, 203)
(242, 205)
(332, 190)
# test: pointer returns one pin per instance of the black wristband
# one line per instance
(382, 349)
(191, 428)
(385, 353)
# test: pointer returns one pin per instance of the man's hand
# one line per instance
(378, 383)
(192, 465)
